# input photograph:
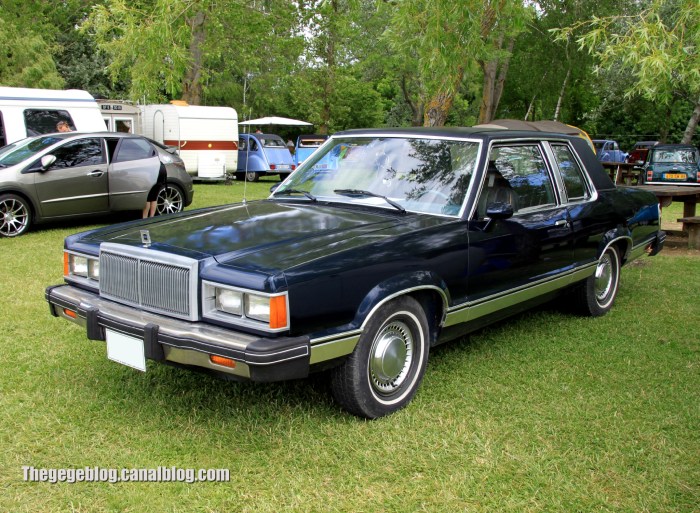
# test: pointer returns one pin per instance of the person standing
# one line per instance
(152, 200)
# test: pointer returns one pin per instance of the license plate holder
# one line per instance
(126, 350)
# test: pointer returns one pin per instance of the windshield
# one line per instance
(678, 156)
(418, 175)
(26, 149)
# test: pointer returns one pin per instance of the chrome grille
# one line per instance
(154, 281)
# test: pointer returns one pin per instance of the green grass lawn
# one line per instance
(544, 412)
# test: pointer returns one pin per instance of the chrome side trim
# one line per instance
(334, 349)
(473, 310)
(73, 198)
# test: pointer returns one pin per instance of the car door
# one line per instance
(77, 182)
(132, 173)
(530, 252)
(242, 154)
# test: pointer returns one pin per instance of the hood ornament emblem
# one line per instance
(145, 238)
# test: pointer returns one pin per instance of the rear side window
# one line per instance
(134, 149)
(85, 152)
(45, 121)
(570, 172)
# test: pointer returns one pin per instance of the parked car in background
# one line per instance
(411, 238)
(70, 174)
(677, 164)
(306, 145)
(639, 153)
(608, 151)
(261, 155)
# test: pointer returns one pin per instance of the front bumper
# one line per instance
(182, 342)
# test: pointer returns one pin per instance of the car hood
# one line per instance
(266, 236)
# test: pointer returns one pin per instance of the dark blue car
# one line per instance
(409, 238)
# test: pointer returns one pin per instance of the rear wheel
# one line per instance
(170, 200)
(252, 176)
(596, 295)
(385, 370)
(15, 215)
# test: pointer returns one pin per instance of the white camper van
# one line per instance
(120, 115)
(207, 137)
(25, 112)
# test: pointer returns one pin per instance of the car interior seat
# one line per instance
(496, 190)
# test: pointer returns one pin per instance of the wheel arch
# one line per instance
(621, 240)
(425, 287)
(35, 212)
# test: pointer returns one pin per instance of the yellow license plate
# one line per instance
(675, 176)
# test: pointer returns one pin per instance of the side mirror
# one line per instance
(47, 161)
(274, 187)
(499, 210)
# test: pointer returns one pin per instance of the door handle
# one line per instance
(97, 173)
(561, 222)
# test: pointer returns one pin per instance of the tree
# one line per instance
(660, 47)
(446, 41)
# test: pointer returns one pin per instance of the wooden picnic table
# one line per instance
(689, 195)
(622, 172)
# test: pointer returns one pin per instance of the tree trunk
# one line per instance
(692, 125)
(192, 84)
(488, 91)
(530, 107)
(438, 108)
(416, 109)
(561, 94)
(500, 83)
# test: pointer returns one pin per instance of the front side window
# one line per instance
(570, 172)
(418, 175)
(45, 121)
(522, 169)
(242, 145)
(85, 152)
(134, 149)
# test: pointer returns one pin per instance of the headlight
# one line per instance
(81, 266)
(244, 307)
(229, 301)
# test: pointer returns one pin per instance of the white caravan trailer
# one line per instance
(207, 137)
(25, 112)
(120, 115)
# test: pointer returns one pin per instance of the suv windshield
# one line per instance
(26, 149)
(418, 175)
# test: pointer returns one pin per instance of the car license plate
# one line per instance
(126, 350)
(283, 166)
(675, 176)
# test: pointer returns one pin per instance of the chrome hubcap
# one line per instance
(603, 278)
(390, 357)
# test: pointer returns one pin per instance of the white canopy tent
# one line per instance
(274, 120)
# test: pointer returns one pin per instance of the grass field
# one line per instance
(545, 412)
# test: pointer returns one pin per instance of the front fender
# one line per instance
(395, 286)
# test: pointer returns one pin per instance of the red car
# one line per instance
(639, 153)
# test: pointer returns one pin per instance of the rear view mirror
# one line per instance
(47, 161)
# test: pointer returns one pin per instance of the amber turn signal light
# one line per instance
(220, 360)
(278, 312)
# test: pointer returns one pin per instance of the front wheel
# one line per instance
(596, 295)
(385, 370)
(252, 176)
(170, 200)
(15, 215)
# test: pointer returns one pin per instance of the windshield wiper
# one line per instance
(289, 192)
(359, 192)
